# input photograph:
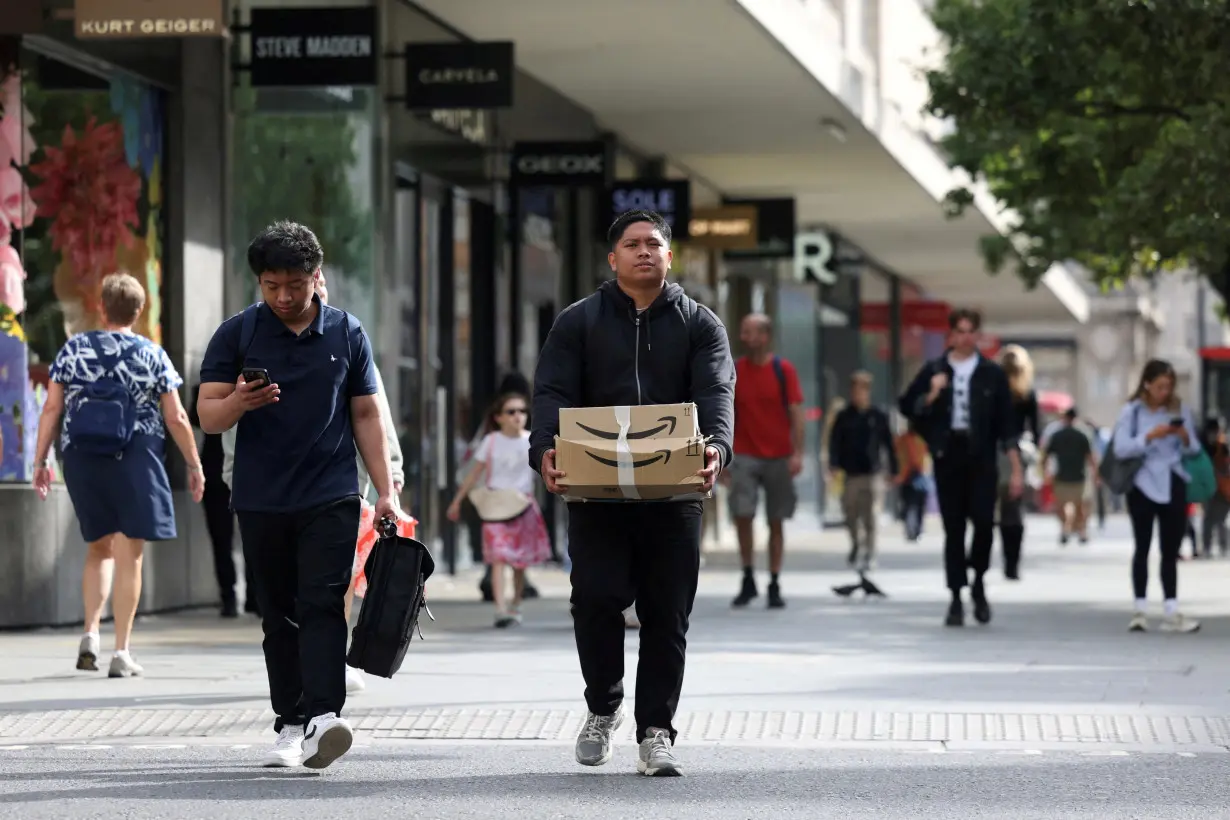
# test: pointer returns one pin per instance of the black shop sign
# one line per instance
(672, 198)
(775, 229)
(459, 75)
(314, 47)
(576, 164)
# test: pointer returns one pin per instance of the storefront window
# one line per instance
(82, 159)
(308, 156)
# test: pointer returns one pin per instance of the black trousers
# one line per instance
(301, 564)
(1171, 524)
(966, 485)
(625, 552)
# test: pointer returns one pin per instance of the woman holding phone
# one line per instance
(1155, 427)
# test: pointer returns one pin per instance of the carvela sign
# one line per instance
(559, 163)
(459, 75)
(670, 197)
(123, 19)
(326, 46)
(725, 228)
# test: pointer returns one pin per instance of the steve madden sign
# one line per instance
(122, 19)
(310, 46)
(459, 75)
(559, 163)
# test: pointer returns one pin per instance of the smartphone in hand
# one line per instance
(255, 375)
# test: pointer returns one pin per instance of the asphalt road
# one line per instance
(454, 781)
(830, 707)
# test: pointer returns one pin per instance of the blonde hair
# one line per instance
(1019, 369)
(123, 299)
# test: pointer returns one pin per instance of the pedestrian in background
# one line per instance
(220, 519)
(311, 398)
(501, 463)
(647, 552)
(911, 480)
(768, 453)
(1156, 428)
(1075, 462)
(860, 448)
(1213, 517)
(118, 483)
(1026, 427)
(962, 405)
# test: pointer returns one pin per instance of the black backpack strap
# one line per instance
(247, 332)
(781, 380)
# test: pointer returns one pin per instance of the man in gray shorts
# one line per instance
(861, 436)
(768, 451)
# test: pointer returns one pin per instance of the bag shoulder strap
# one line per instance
(247, 332)
(489, 440)
(780, 371)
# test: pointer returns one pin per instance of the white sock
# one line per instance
(122, 653)
(93, 635)
(1142, 605)
(1171, 607)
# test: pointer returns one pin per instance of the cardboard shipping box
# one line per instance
(630, 453)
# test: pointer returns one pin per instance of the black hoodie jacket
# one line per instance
(993, 423)
(675, 352)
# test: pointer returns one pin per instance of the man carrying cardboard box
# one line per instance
(638, 341)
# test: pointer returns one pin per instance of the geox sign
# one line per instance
(565, 164)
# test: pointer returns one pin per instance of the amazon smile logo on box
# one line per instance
(630, 453)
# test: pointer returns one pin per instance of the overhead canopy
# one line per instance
(740, 96)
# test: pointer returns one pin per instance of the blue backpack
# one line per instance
(104, 416)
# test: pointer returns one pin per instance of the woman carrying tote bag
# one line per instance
(1155, 443)
(514, 533)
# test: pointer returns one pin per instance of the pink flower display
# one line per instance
(90, 193)
(16, 204)
(12, 280)
(16, 142)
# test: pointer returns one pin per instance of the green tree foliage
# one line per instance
(297, 166)
(1104, 124)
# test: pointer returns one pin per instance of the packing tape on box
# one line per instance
(627, 467)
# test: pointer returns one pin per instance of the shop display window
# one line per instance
(82, 164)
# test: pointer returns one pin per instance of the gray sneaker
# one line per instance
(594, 742)
(657, 759)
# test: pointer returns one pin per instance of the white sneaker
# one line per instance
(354, 681)
(1139, 623)
(657, 758)
(123, 666)
(328, 737)
(287, 750)
(1180, 623)
(87, 653)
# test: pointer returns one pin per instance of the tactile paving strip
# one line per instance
(795, 728)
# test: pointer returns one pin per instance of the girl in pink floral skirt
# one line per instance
(502, 461)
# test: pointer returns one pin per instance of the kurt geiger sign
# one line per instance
(131, 19)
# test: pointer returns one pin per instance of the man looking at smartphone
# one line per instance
(312, 397)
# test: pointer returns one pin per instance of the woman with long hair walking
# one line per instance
(1155, 428)
(1019, 368)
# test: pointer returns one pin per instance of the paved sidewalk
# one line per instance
(1056, 670)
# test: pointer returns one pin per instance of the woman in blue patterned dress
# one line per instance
(121, 495)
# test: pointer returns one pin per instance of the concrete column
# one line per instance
(180, 573)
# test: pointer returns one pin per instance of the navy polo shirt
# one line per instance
(298, 453)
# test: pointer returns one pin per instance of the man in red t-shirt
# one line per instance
(768, 450)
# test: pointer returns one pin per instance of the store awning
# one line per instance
(745, 95)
